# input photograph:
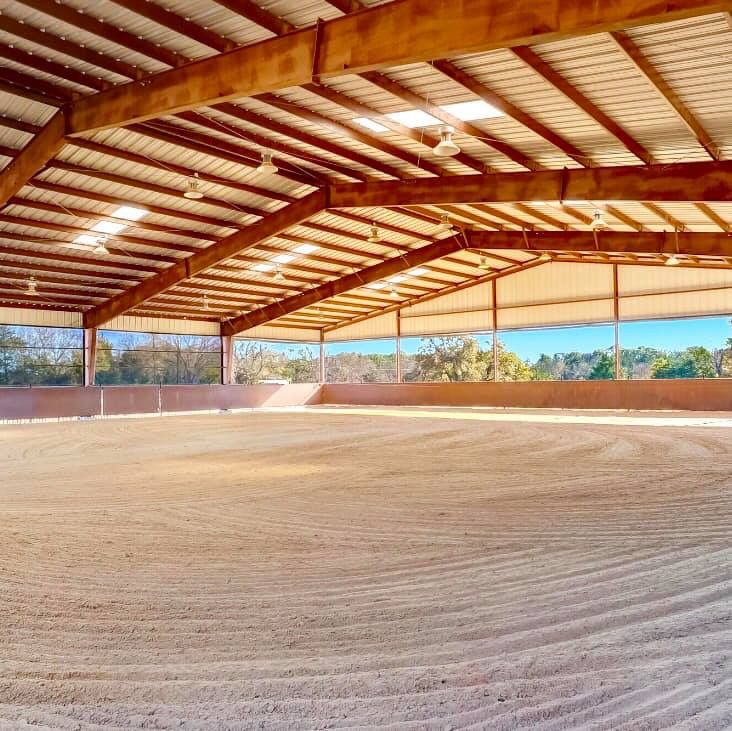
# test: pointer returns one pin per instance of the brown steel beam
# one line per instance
(387, 35)
(224, 249)
(387, 268)
(32, 157)
(609, 241)
(706, 181)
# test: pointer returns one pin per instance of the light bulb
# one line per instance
(446, 147)
(673, 261)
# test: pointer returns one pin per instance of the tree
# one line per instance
(455, 358)
(694, 362)
(604, 368)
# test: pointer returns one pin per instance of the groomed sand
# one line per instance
(319, 570)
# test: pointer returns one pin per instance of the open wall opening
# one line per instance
(257, 361)
(129, 358)
(361, 361)
(41, 356)
(698, 347)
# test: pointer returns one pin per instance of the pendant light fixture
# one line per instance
(192, 191)
(374, 235)
(278, 276)
(446, 147)
(483, 263)
(444, 226)
(32, 287)
(100, 246)
(267, 167)
(598, 222)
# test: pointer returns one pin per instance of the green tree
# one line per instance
(604, 368)
(454, 358)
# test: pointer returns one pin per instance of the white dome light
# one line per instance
(483, 263)
(444, 226)
(446, 147)
(100, 246)
(673, 261)
(32, 286)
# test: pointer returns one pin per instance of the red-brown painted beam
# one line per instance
(387, 268)
(705, 181)
(384, 36)
(224, 249)
(32, 157)
(716, 244)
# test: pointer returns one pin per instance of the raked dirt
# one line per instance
(338, 569)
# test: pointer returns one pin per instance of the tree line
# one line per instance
(461, 358)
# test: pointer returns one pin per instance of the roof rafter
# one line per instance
(213, 255)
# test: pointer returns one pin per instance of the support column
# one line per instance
(90, 355)
(398, 346)
(616, 320)
(495, 330)
(227, 360)
(321, 362)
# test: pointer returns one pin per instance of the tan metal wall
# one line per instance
(691, 395)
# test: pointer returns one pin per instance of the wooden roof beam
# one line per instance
(226, 248)
(34, 156)
(380, 37)
(384, 269)
(701, 182)
(545, 241)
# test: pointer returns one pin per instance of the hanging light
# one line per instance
(444, 226)
(267, 167)
(598, 221)
(204, 302)
(393, 293)
(100, 246)
(32, 288)
(446, 147)
(192, 190)
(483, 263)
(672, 261)
(278, 276)
(374, 235)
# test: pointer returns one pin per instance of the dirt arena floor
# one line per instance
(331, 569)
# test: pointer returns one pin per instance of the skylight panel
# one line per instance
(414, 118)
(306, 248)
(284, 258)
(86, 239)
(371, 124)
(470, 111)
(129, 212)
(263, 267)
(109, 227)
(418, 272)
